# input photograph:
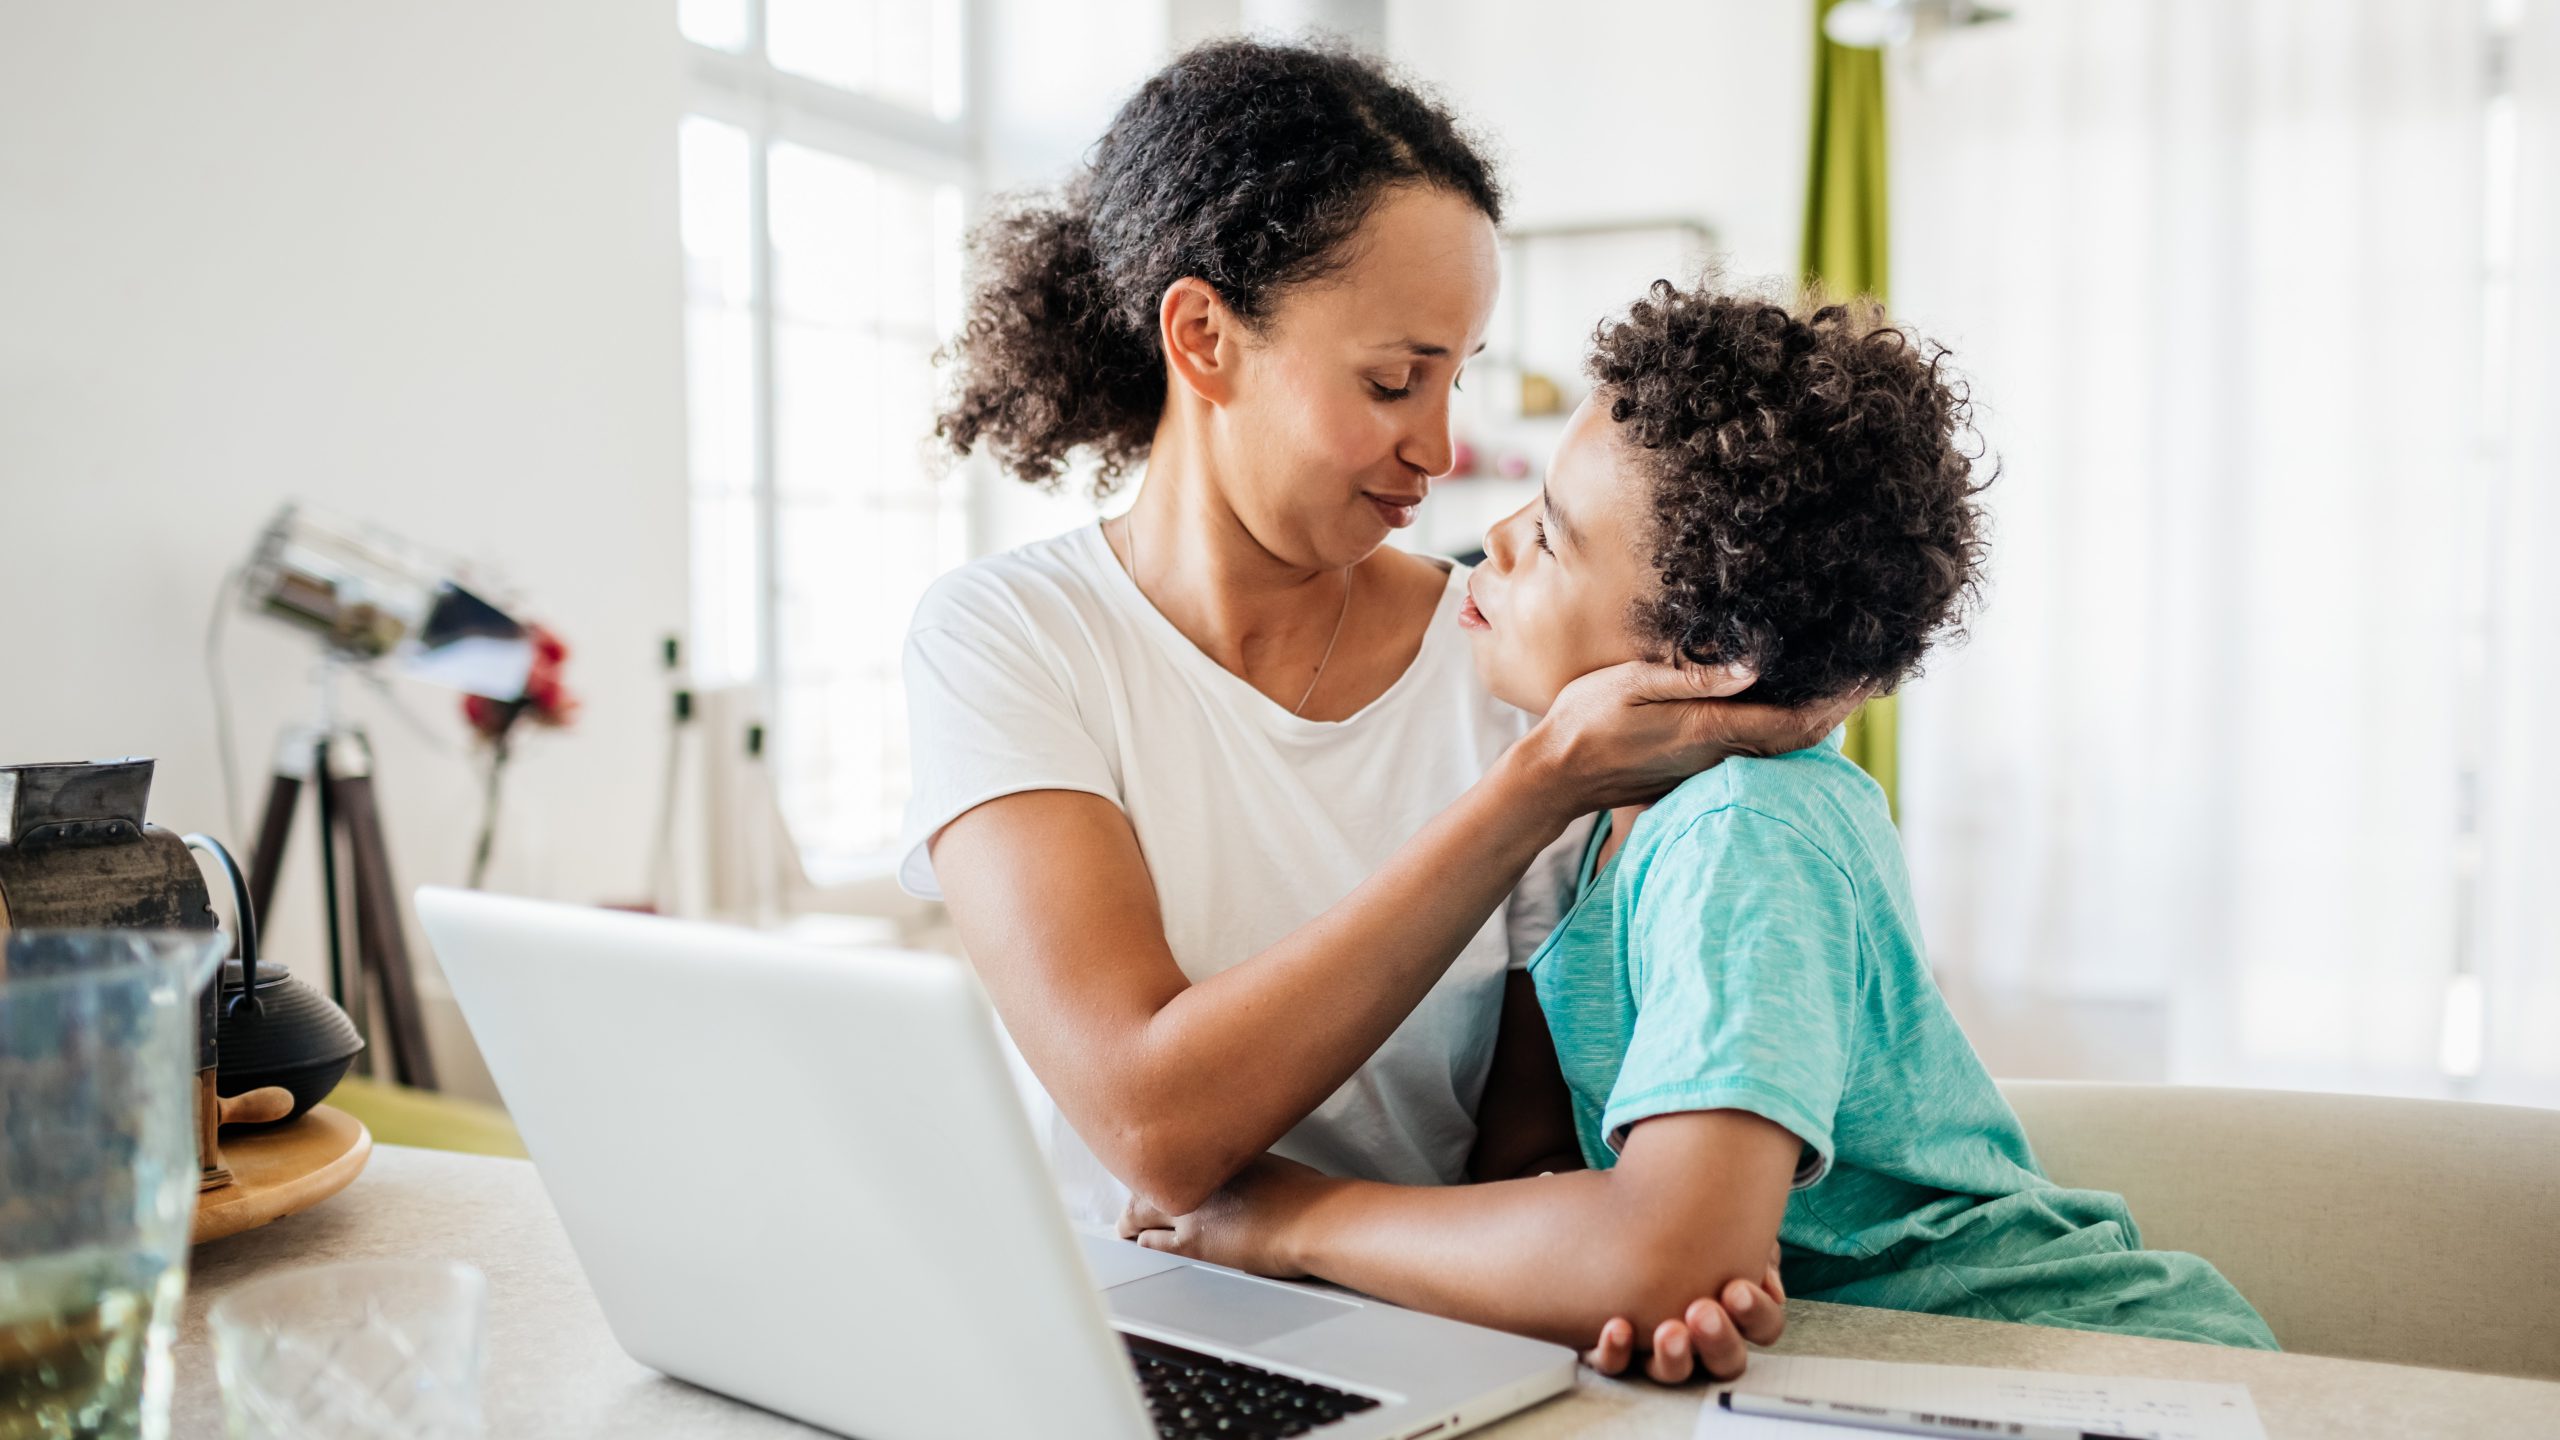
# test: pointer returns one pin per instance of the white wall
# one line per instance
(413, 262)
(1053, 75)
(1633, 109)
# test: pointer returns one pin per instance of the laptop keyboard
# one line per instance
(1191, 1394)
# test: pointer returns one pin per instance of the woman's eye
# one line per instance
(1541, 524)
(1389, 392)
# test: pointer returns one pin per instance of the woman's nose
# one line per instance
(1430, 448)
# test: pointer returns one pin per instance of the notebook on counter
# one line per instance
(2117, 1405)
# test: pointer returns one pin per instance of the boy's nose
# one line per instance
(1502, 542)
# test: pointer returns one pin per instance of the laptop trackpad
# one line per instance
(1117, 1262)
(1222, 1307)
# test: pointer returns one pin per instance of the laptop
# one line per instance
(801, 1177)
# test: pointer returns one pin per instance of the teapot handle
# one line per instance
(248, 922)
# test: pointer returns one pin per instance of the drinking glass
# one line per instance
(360, 1350)
(97, 1174)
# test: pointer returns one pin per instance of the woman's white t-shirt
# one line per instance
(1046, 668)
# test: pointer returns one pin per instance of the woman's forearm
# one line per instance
(1176, 1084)
(1271, 1038)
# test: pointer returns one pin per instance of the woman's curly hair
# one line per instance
(1245, 164)
(1813, 494)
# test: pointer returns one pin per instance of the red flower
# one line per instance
(546, 699)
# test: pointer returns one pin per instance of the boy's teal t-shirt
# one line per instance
(1753, 946)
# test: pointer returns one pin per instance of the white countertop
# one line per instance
(554, 1371)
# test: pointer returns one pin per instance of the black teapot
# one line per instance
(274, 1030)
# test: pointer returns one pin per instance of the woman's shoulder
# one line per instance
(1416, 573)
(1422, 586)
(1034, 588)
(1425, 591)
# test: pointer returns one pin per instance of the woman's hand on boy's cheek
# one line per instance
(1244, 1226)
(1708, 1338)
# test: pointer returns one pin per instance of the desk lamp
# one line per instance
(369, 602)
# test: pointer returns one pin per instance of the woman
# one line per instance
(1224, 817)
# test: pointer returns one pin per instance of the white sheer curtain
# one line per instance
(2520, 922)
(2217, 268)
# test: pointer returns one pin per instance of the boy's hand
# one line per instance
(1244, 1226)
(1708, 1337)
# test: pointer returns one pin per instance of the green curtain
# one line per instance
(1845, 253)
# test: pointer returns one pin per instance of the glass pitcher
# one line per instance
(98, 1174)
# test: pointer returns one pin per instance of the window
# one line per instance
(824, 168)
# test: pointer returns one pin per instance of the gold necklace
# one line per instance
(1129, 524)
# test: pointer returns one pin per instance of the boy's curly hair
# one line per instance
(1813, 499)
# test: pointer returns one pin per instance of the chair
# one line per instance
(2420, 1232)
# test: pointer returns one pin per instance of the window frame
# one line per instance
(744, 89)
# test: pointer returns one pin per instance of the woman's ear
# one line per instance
(1199, 334)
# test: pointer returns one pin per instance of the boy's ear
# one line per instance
(1199, 335)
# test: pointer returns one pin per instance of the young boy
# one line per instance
(1749, 1040)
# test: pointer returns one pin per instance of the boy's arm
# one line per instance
(1693, 1205)
(1524, 1124)
(1525, 1128)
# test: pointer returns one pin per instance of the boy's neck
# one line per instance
(1622, 823)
